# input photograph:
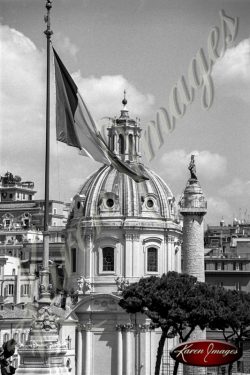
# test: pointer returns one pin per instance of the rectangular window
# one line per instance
(73, 259)
(54, 211)
(237, 286)
(108, 259)
(25, 289)
(152, 261)
(10, 289)
(7, 223)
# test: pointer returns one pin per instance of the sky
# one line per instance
(145, 47)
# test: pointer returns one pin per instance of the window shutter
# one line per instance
(21, 290)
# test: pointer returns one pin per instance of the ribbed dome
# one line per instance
(108, 192)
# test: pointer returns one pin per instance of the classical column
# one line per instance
(88, 256)
(145, 330)
(170, 246)
(88, 347)
(119, 350)
(135, 255)
(79, 350)
(115, 143)
(128, 362)
(128, 255)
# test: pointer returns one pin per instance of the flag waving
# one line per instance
(76, 127)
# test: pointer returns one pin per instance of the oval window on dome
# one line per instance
(78, 205)
(110, 202)
(150, 203)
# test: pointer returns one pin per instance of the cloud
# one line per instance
(63, 43)
(210, 166)
(104, 95)
(236, 187)
(22, 105)
(232, 72)
(22, 98)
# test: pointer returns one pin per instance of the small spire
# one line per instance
(124, 111)
(124, 102)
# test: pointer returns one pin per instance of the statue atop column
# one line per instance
(192, 168)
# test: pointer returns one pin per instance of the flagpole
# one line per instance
(44, 275)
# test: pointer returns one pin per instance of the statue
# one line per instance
(9, 179)
(121, 284)
(192, 168)
(7, 350)
(84, 285)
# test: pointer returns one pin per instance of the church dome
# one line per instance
(120, 230)
(108, 192)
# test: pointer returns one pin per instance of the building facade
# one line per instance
(119, 231)
(21, 258)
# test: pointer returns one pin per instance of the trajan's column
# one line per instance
(193, 207)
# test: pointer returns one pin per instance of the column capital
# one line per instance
(129, 236)
(79, 327)
(127, 327)
(87, 326)
(145, 327)
(170, 238)
(136, 237)
(119, 327)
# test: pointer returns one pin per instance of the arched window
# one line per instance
(113, 143)
(130, 143)
(23, 338)
(73, 259)
(6, 337)
(121, 144)
(152, 259)
(108, 259)
(15, 337)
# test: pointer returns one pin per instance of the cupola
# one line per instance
(124, 136)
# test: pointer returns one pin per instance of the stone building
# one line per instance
(21, 256)
(227, 255)
(118, 232)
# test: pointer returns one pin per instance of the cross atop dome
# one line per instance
(124, 111)
(124, 101)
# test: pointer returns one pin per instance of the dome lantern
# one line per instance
(124, 136)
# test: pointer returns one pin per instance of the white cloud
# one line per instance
(209, 165)
(232, 72)
(63, 43)
(236, 187)
(104, 95)
(22, 99)
(22, 104)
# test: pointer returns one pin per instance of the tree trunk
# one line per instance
(176, 365)
(159, 353)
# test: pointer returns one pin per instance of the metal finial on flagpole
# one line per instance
(44, 274)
